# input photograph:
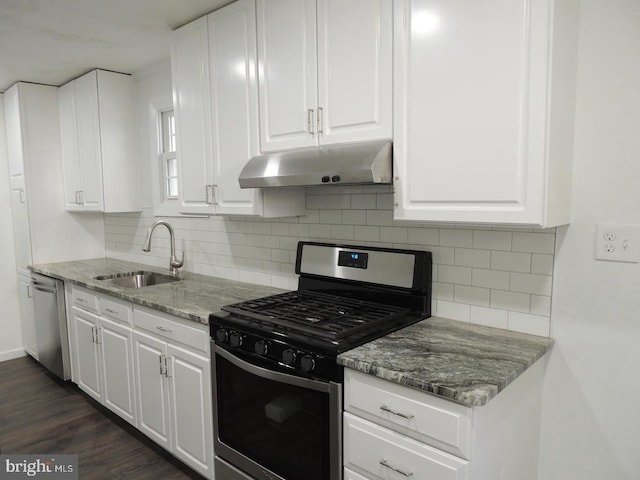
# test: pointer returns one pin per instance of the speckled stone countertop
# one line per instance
(466, 363)
(194, 297)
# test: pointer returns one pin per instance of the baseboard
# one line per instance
(11, 354)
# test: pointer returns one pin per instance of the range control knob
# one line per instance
(235, 339)
(261, 347)
(222, 335)
(335, 178)
(326, 179)
(307, 363)
(289, 357)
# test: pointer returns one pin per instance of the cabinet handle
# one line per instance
(98, 335)
(385, 408)
(310, 121)
(81, 300)
(320, 121)
(22, 195)
(29, 292)
(384, 463)
(111, 310)
(162, 329)
(93, 335)
(79, 197)
(208, 194)
(214, 194)
(161, 358)
(167, 366)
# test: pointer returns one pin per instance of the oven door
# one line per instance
(274, 425)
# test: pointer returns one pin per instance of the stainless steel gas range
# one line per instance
(277, 389)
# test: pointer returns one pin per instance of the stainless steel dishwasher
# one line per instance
(51, 325)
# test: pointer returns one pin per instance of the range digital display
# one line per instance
(352, 259)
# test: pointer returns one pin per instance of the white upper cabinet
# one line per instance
(97, 123)
(325, 72)
(216, 106)
(190, 76)
(483, 101)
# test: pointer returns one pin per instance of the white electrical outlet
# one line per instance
(618, 243)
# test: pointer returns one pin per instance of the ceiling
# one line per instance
(54, 41)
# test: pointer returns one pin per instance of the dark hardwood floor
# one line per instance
(40, 414)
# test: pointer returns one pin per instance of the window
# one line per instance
(168, 155)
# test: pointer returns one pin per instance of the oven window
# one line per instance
(282, 427)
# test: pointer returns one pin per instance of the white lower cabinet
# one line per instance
(174, 387)
(150, 368)
(103, 358)
(394, 432)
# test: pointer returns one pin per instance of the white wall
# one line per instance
(591, 424)
(10, 328)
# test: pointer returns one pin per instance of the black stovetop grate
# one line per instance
(324, 315)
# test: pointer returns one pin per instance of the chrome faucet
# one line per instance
(174, 263)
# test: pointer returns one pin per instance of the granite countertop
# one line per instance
(194, 297)
(463, 362)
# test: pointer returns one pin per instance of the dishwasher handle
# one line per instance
(43, 287)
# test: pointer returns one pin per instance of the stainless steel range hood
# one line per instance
(349, 164)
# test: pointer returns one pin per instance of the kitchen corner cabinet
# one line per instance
(42, 230)
(102, 350)
(483, 110)
(216, 107)
(333, 82)
(98, 131)
(173, 377)
(392, 431)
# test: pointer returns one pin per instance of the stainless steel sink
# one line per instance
(137, 279)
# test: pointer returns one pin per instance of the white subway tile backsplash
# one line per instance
(494, 279)
(364, 201)
(532, 324)
(454, 311)
(393, 234)
(453, 274)
(512, 301)
(534, 242)
(468, 257)
(490, 317)
(471, 295)
(542, 264)
(490, 275)
(492, 240)
(530, 283)
(511, 261)
(456, 238)
(423, 236)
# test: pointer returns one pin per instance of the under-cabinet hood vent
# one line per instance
(349, 164)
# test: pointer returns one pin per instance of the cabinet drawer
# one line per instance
(379, 453)
(84, 298)
(116, 309)
(429, 419)
(170, 327)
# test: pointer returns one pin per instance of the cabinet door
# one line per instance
(471, 103)
(117, 363)
(234, 96)
(21, 230)
(190, 379)
(69, 145)
(13, 126)
(27, 316)
(190, 69)
(88, 131)
(151, 387)
(355, 70)
(287, 66)
(86, 352)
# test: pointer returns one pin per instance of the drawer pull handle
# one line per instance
(384, 463)
(162, 329)
(393, 412)
(111, 310)
(81, 300)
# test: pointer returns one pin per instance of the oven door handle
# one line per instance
(272, 375)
